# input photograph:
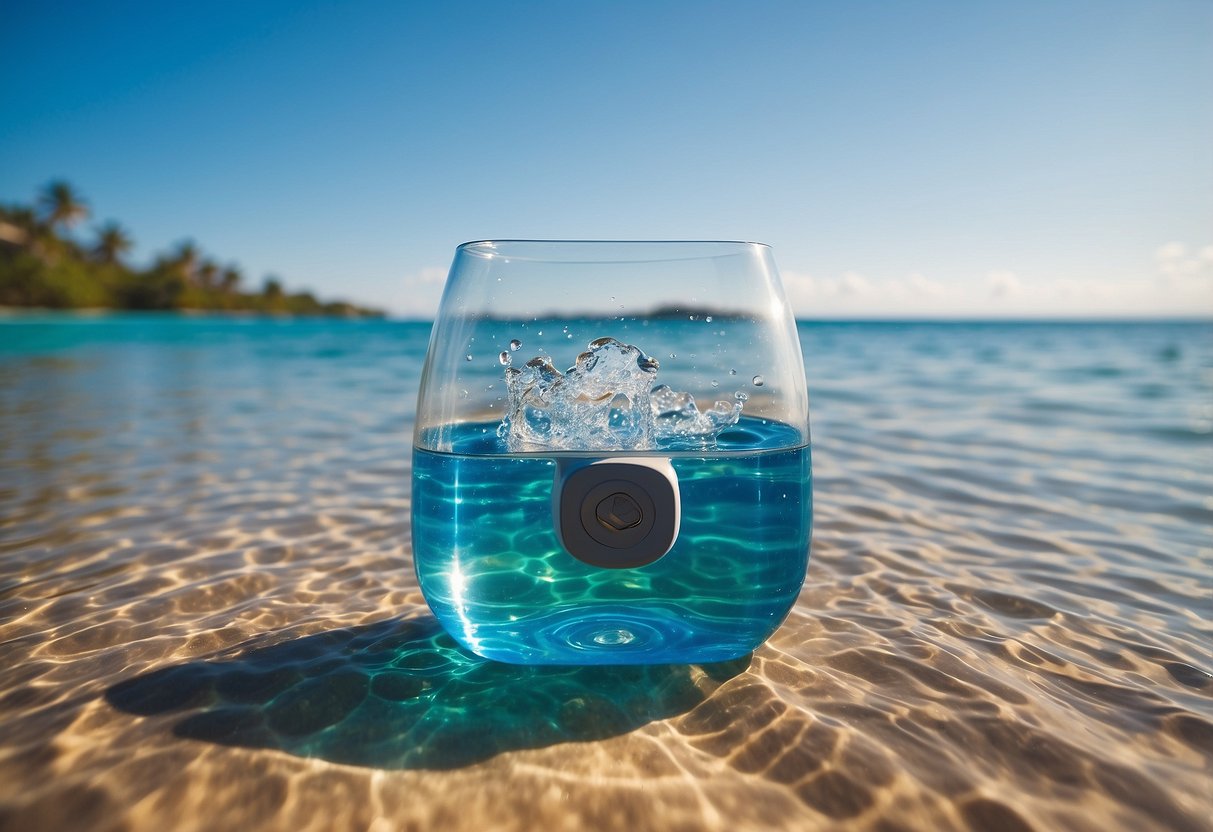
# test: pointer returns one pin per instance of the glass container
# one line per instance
(611, 459)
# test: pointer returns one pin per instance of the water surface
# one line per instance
(209, 619)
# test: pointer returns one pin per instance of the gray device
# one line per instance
(616, 513)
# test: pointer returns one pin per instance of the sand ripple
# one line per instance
(208, 617)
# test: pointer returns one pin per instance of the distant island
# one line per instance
(664, 312)
(43, 265)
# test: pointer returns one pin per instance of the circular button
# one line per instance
(618, 512)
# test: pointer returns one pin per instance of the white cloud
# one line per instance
(801, 289)
(853, 283)
(418, 294)
(1184, 278)
(1078, 289)
(1177, 268)
(1170, 251)
(924, 287)
(1181, 284)
(432, 274)
(1004, 284)
(852, 293)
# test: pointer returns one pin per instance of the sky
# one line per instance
(903, 159)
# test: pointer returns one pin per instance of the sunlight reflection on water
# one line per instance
(208, 600)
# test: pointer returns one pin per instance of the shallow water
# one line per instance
(208, 615)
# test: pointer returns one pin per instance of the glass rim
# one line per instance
(521, 249)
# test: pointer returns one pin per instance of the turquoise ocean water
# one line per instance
(208, 601)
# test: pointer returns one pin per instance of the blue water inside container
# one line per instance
(495, 574)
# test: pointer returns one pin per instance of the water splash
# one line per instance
(605, 402)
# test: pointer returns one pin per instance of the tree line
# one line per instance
(44, 264)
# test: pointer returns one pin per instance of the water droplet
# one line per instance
(741, 397)
(541, 332)
(708, 319)
(504, 358)
(690, 317)
(463, 394)
(715, 383)
(757, 381)
(673, 355)
(568, 335)
(468, 356)
(732, 372)
(516, 345)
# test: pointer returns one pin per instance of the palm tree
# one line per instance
(186, 257)
(230, 281)
(272, 288)
(208, 274)
(112, 242)
(61, 205)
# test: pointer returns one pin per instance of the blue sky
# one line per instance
(937, 159)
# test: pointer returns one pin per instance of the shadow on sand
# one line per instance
(403, 694)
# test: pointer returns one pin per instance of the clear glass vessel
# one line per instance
(611, 460)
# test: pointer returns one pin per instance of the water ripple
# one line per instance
(208, 614)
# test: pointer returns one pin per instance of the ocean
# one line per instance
(209, 616)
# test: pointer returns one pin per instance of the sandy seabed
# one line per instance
(209, 619)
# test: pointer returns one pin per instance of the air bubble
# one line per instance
(757, 381)
(516, 345)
